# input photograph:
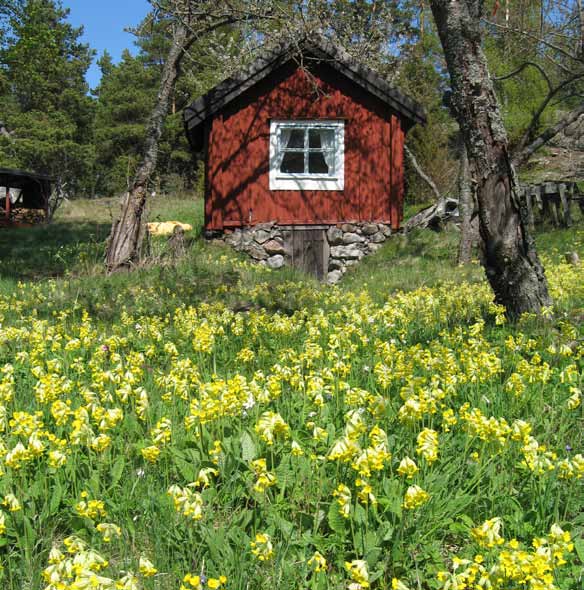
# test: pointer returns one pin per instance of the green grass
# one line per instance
(178, 355)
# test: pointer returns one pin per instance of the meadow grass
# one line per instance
(210, 423)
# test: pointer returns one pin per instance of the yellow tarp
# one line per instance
(165, 228)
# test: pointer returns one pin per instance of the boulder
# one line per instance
(347, 252)
(377, 238)
(256, 251)
(274, 246)
(336, 264)
(352, 238)
(334, 236)
(276, 261)
(385, 230)
(349, 227)
(334, 277)
(234, 239)
(261, 235)
(369, 229)
(373, 246)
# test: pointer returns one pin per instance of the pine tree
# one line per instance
(47, 107)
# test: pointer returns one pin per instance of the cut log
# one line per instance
(435, 217)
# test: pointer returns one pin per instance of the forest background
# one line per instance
(91, 139)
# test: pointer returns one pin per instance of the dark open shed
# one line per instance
(24, 197)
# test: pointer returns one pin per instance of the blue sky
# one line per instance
(104, 22)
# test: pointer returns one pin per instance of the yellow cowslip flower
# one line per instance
(204, 477)
(407, 468)
(365, 494)
(357, 569)
(101, 443)
(296, 449)
(317, 562)
(18, 456)
(487, 535)
(428, 445)
(162, 432)
(575, 399)
(128, 582)
(397, 584)
(344, 450)
(187, 502)
(2, 522)
(146, 567)
(193, 581)
(343, 496)
(151, 454)
(415, 497)
(108, 531)
(448, 419)
(262, 547)
(92, 509)
(265, 479)
(11, 502)
(57, 459)
(215, 452)
(245, 355)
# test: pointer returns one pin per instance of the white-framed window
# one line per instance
(307, 155)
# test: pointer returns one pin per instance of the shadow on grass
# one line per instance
(30, 253)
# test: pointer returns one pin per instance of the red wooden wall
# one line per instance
(237, 183)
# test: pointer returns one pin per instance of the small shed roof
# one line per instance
(8, 175)
(273, 58)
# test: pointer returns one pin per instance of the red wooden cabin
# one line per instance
(303, 137)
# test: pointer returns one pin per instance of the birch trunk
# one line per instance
(511, 263)
(126, 241)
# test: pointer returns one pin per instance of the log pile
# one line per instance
(23, 216)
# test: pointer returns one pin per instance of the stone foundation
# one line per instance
(345, 244)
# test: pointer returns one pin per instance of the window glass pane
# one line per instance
(296, 138)
(317, 162)
(321, 138)
(293, 163)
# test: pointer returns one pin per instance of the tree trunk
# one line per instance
(466, 208)
(511, 263)
(126, 241)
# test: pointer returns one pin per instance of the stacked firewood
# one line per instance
(27, 216)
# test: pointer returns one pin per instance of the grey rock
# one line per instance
(347, 252)
(373, 247)
(234, 238)
(276, 261)
(352, 238)
(349, 227)
(385, 230)
(261, 235)
(334, 236)
(274, 246)
(377, 238)
(256, 251)
(267, 226)
(334, 277)
(369, 229)
(336, 264)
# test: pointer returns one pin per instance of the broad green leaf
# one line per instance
(335, 520)
(248, 448)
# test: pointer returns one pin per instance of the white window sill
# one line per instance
(303, 183)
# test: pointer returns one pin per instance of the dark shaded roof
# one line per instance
(273, 58)
(22, 175)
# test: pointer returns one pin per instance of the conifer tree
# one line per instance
(46, 106)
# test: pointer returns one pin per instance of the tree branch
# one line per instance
(416, 166)
(526, 153)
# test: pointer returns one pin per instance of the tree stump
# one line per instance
(176, 243)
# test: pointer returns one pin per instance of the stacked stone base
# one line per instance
(346, 244)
